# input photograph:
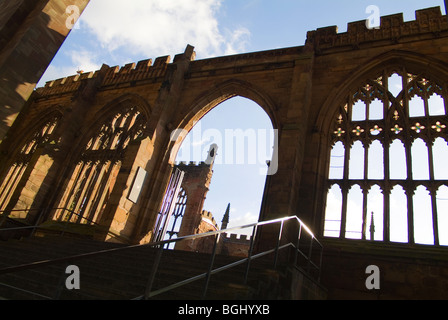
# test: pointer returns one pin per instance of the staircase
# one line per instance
(123, 274)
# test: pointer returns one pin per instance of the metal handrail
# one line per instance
(161, 245)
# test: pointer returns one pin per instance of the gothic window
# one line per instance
(17, 170)
(176, 217)
(98, 165)
(388, 180)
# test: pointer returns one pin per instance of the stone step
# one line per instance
(119, 275)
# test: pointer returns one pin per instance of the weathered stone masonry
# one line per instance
(300, 88)
(31, 32)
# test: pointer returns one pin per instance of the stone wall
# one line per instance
(300, 88)
(405, 273)
(31, 32)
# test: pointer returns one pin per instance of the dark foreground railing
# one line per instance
(292, 234)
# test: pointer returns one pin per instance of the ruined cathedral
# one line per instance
(88, 161)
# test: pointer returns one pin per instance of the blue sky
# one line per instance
(117, 32)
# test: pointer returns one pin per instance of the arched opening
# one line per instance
(423, 223)
(398, 215)
(94, 173)
(398, 169)
(440, 154)
(420, 164)
(376, 161)
(375, 207)
(20, 180)
(392, 172)
(356, 170)
(244, 134)
(337, 161)
(354, 213)
(332, 227)
(442, 210)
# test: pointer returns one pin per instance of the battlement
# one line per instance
(208, 217)
(393, 28)
(131, 72)
(191, 164)
(142, 70)
(64, 85)
(238, 238)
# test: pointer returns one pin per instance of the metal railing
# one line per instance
(292, 239)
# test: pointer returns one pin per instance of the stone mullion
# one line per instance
(386, 190)
(12, 183)
(344, 189)
(94, 189)
(365, 193)
(70, 195)
(409, 190)
(386, 154)
(91, 191)
(409, 186)
(433, 191)
(80, 192)
(107, 169)
(99, 196)
(435, 220)
(365, 189)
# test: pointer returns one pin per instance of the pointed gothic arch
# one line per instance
(210, 99)
(96, 161)
(21, 168)
(398, 123)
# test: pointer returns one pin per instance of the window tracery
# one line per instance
(176, 217)
(21, 161)
(96, 170)
(389, 135)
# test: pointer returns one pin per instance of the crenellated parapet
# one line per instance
(65, 85)
(237, 238)
(183, 164)
(207, 217)
(143, 70)
(132, 72)
(393, 28)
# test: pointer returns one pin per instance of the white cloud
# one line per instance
(84, 59)
(117, 32)
(81, 59)
(155, 27)
(237, 41)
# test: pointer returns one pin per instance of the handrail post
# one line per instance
(299, 236)
(249, 254)
(278, 244)
(320, 263)
(309, 255)
(39, 218)
(152, 275)
(68, 221)
(210, 268)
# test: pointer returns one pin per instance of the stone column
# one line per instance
(281, 198)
